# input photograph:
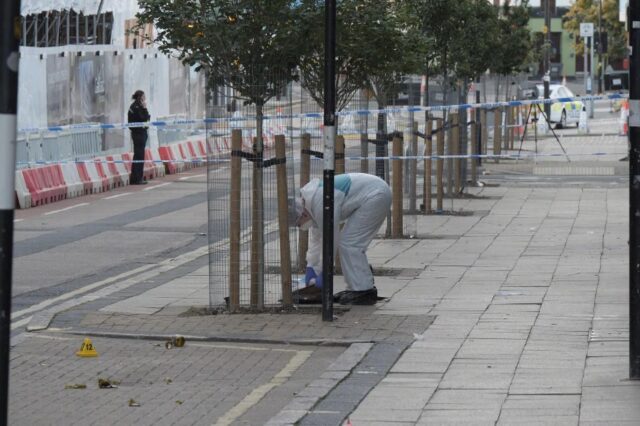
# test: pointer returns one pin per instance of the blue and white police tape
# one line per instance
(202, 160)
(316, 115)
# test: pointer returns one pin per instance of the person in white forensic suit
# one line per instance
(361, 203)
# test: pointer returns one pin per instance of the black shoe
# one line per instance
(308, 295)
(366, 297)
(142, 182)
(338, 295)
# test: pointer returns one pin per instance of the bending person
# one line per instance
(361, 202)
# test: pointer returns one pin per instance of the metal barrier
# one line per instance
(79, 144)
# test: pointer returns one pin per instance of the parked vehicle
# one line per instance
(562, 113)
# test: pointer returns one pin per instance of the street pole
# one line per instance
(591, 74)
(9, 39)
(600, 64)
(585, 40)
(329, 151)
(634, 190)
(547, 56)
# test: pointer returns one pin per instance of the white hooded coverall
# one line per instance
(360, 200)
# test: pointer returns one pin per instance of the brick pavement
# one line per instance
(529, 296)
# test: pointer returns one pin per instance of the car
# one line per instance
(562, 113)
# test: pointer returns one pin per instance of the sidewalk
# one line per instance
(516, 314)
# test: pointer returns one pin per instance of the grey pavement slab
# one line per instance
(528, 300)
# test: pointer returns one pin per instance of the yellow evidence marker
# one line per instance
(87, 350)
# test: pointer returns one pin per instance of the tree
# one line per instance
(513, 50)
(351, 20)
(588, 11)
(252, 46)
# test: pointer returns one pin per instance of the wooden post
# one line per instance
(497, 130)
(507, 135)
(234, 221)
(512, 128)
(413, 169)
(474, 152)
(485, 131)
(439, 164)
(283, 225)
(364, 153)
(450, 150)
(396, 185)
(457, 162)
(428, 166)
(339, 153)
(305, 176)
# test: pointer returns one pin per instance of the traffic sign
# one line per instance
(586, 29)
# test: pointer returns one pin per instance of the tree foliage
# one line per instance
(252, 46)
(391, 49)
(588, 11)
(514, 41)
(352, 19)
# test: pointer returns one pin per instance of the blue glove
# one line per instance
(310, 274)
(319, 281)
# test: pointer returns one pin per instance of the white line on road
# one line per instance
(66, 209)
(192, 176)
(17, 220)
(117, 196)
(79, 291)
(258, 393)
(157, 186)
(20, 323)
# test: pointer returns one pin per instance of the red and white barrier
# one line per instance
(50, 183)
(75, 186)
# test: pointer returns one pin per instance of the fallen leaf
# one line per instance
(133, 403)
(75, 386)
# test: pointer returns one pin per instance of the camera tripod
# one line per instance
(535, 108)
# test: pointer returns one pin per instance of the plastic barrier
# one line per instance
(75, 186)
(624, 118)
(23, 195)
(166, 155)
(45, 184)
(117, 170)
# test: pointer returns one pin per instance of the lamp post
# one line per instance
(9, 38)
(547, 56)
(600, 64)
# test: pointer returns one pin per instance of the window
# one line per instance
(66, 27)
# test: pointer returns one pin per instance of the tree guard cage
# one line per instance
(415, 158)
(250, 186)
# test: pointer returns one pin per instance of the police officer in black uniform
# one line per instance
(138, 114)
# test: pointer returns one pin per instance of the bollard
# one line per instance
(484, 129)
(396, 186)
(497, 133)
(439, 163)
(305, 175)
(339, 155)
(474, 154)
(428, 166)
(283, 214)
(457, 162)
(234, 220)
